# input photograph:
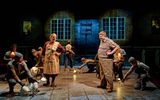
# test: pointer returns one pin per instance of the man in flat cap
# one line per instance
(17, 71)
(142, 71)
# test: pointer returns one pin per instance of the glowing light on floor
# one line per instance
(119, 92)
(74, 77)
(74, 71)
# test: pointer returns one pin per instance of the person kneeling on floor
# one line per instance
(17, 71)
(90, 63)
(142, 71)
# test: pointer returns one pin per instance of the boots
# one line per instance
(109, 87)
(53, 84)
(53, 81)
(48, 81)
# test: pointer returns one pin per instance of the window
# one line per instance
(62, 27)
(114, 26)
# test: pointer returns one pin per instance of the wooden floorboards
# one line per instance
(83, 86)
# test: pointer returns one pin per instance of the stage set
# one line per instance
(133, 24)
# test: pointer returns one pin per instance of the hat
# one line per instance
(82, 59)
(40, 48)
(131, 59)
(33, 50)
(18, 55)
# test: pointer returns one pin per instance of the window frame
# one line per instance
(112, 27)
(62, 28)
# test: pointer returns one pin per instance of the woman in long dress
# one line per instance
(51, 51)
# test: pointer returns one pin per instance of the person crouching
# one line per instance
(17, 71)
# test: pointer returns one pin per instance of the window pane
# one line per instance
(114, 26)
(62, 27)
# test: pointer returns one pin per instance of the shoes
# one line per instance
(53, 85)
(71, 69)
(37, 90)
(46, 84)
(101, 87)
(65, 69)
(114, 80)
(143, 88)
(11, 94)
(89, 71)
